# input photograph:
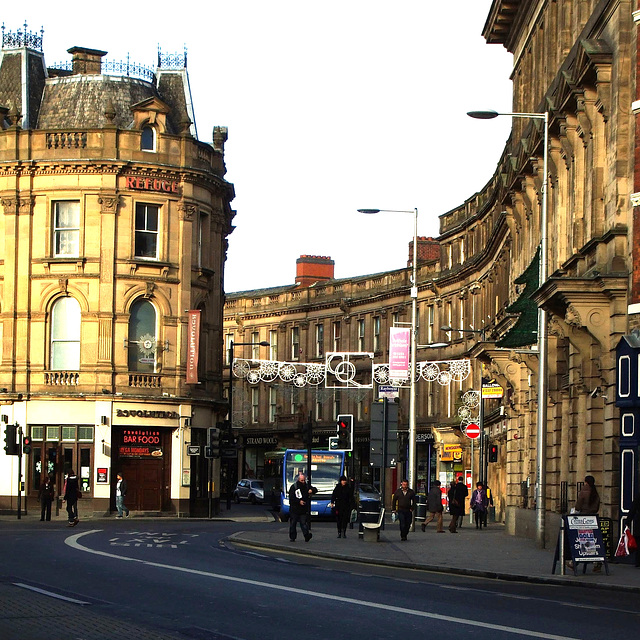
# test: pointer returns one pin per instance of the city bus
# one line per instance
(281, 469)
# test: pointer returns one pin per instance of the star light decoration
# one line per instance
(469, 411)
(346, 370)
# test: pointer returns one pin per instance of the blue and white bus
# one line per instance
(281, 469)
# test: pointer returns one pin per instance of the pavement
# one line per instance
(488, 553)
(26, 614)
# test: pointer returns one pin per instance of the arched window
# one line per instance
(65, 335)
(148, 139)
(142, 337)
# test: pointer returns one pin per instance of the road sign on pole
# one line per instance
(473, 431)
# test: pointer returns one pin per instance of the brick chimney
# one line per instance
(428, 250)
(86, 61)
(312, 269)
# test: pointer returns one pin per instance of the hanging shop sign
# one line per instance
(492, 391)
(451, 453)
(193, 347)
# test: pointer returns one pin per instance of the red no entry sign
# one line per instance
(473, 431)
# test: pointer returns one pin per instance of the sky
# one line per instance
(331, 106)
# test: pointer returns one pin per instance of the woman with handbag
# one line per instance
(342, 502)
(631, 518)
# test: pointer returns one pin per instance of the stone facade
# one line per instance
(576, 61)
(113, 227)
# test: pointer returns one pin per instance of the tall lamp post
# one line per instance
(232, 345)
(414, 340)
(541, 418)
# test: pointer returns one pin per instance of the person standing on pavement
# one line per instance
(403, 503)
(71, 493)
(342, 501)
(45, 496)
(479, 504)
(588, 503)
(434, 506)
(299, 502)
(121, 492)
(461, 496)
(453, 506)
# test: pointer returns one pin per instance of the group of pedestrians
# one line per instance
(71, 494)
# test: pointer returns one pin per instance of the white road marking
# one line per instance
(51, 594)
(72, 541)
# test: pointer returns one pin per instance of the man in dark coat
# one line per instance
(461, 496)
(299, 501)
(45, 496)
(403, 503)
(71, 491)
(343, 503)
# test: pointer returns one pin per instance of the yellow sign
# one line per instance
(451, 452)
(492, 391)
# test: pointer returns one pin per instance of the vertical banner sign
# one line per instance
(194, 347)
(399, 342)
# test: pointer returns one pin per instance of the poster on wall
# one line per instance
(140, 443)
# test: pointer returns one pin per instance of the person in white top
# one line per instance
(121, 492)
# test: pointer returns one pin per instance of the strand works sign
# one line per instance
(140, 443)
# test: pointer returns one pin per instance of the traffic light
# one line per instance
(307, 433)
(26, 444)
(214, 442)
(10, 440)
(345, 432)
(493, 453)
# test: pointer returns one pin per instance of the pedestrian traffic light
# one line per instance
(345, 432)
(493, 453)
(214, 442)
(26, 444)
(11, 440)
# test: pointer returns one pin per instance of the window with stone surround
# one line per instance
(65, 335)
(142, 337)
(148, 138)
(146, 231)
(66, 229)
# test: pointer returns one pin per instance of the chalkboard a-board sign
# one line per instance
(583, 541)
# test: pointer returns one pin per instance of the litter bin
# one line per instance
(421, 508)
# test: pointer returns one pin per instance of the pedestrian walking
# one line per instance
(71, 494)
(453, 506)
(403, 504)
(479, 504)
(632, 518)
(342, 502)
(461, 495)
(299, 502)
(45, 496)
(490, 498)
(434, 507)
(121, 492)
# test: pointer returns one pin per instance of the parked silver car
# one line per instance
(251, 490)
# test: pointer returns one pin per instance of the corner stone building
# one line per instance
(576, 60)
(113, 234)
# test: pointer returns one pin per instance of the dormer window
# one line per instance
(148, 139)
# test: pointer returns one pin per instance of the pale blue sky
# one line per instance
(331, 106)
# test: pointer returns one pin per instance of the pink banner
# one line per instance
(399, 343)
(194, 347)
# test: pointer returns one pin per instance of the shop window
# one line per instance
(148, 138)
(146, 231)
(69, 433)
(53, 434)
(65, 335)
(142, 337)
(85, 434)
(66, 229)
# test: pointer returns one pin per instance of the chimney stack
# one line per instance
(86, 61)
(312, 269)
(428, 250)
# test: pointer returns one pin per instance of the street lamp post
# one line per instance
(414, 340)
(232, 345)
(541, 416)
